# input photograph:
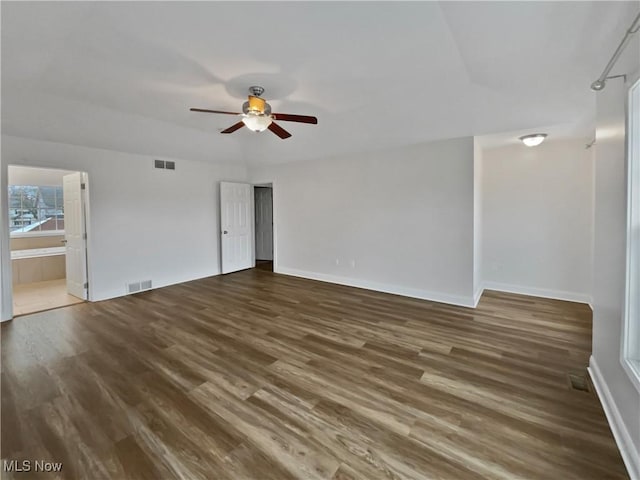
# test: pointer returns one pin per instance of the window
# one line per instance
(631, 333)
(35, 208)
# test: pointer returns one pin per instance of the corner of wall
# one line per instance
(477, 295)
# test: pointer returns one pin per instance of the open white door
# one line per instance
(235, 222)
(74, 235)
(264, 223)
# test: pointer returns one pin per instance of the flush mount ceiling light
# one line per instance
(534, 139)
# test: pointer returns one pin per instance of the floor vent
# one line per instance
(139, 286)
(579, 382)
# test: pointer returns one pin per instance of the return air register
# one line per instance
(139, 286)
(164, 164)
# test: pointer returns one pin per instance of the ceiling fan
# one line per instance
(257, 116)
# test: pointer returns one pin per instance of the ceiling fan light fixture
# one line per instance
(256, 122)
(534, 139)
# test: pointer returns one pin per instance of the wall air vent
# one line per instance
(139, 286)
(164, 164)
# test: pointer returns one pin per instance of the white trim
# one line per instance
(274, 218)
(478, 294)
(630, 339)
(539, 292)
(632, 368)
(458, 300)
(6, 271)
(37, 233)
(86, 209)
(252, 194)
(38, 252)
(630, 456)
(253, 200)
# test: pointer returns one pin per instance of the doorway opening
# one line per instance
(47, 238)
(263, 208)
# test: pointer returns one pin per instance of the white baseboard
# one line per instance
(458, 300)
(621, 435)
(478, 294)
(538, 292)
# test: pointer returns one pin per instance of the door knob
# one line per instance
(224, 232)
(63, 241)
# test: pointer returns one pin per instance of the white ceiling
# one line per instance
(122, 75)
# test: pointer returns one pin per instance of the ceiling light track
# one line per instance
(601, 82)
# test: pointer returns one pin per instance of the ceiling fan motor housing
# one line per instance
(256, 91)
(256, 106)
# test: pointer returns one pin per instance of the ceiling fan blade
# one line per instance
(295, 118)
(233, 128)
(278, 130)
(213, 111)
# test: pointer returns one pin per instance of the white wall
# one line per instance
(478, 196)
(537, 219)
(399, 220)
(620, 399)
(145, 223)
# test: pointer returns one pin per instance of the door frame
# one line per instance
(222, 233)
(253, 191)
(83, 215)
(5, 237)
(272, 184)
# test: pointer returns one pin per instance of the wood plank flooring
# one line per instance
(261, 376)
(40, 296)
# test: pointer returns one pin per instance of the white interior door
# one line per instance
(264, 223)
(235, 222)
(74, 235)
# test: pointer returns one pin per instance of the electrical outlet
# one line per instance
(337, 261)
(352, 263)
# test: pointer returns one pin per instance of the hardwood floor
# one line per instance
(40, 296)
(264, 265)
(262, 376)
